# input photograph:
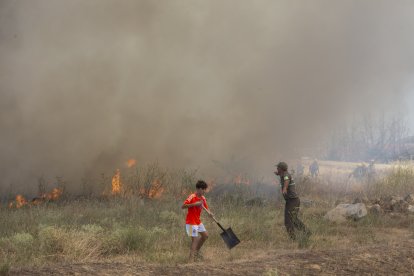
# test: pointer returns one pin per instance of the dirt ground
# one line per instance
(382, 259)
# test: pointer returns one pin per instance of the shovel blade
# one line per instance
(229, 238)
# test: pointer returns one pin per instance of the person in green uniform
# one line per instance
(288, 187)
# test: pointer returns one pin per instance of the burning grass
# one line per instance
(150, 228)
(21, 201)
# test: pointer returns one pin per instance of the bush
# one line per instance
(125, 239)
(22, 240)
(51, 240)
(169, 217)
(71, 244)
(19, 245)
(92, 228)
(399, 181)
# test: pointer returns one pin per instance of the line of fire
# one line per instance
(152, 190)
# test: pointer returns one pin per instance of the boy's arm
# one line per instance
(207, 210)
(189, 205)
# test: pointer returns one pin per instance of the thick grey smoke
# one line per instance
(86, 85)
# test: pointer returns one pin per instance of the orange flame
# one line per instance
(156, 189)
(116, 183)
(54, 194)
(20, 201)
(131, 162)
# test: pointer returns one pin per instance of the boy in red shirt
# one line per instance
(193, 225)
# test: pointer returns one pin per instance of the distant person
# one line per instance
(300, 169)
(314, 168)
(292, 222)
(371, 169)
(193, 225)
(360, 172)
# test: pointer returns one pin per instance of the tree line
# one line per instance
(382, 138)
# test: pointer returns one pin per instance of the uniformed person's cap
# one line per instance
(282, 166)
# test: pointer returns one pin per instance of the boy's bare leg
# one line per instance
(203, 238)
(193, 249)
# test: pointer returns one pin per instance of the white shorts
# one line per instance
(192, 230)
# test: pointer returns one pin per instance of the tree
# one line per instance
(366, 138)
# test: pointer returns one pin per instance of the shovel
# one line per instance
(228, 236)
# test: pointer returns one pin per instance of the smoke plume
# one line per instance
(86, 85)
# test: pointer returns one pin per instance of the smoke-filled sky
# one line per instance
(85, 85)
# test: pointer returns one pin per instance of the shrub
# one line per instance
(92, 228)
(71, 244)
(125, 239)
(51, 240)
(399, 181)
(169, 217)
(22, 240)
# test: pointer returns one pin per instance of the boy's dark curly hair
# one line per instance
(201, 184)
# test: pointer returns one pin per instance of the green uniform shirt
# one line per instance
(291, 190)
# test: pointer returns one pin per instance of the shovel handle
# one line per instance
(219, 225)
(208, 212)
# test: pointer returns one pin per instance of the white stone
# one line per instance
(342, 212)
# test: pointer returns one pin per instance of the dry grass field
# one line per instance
(142, 233)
